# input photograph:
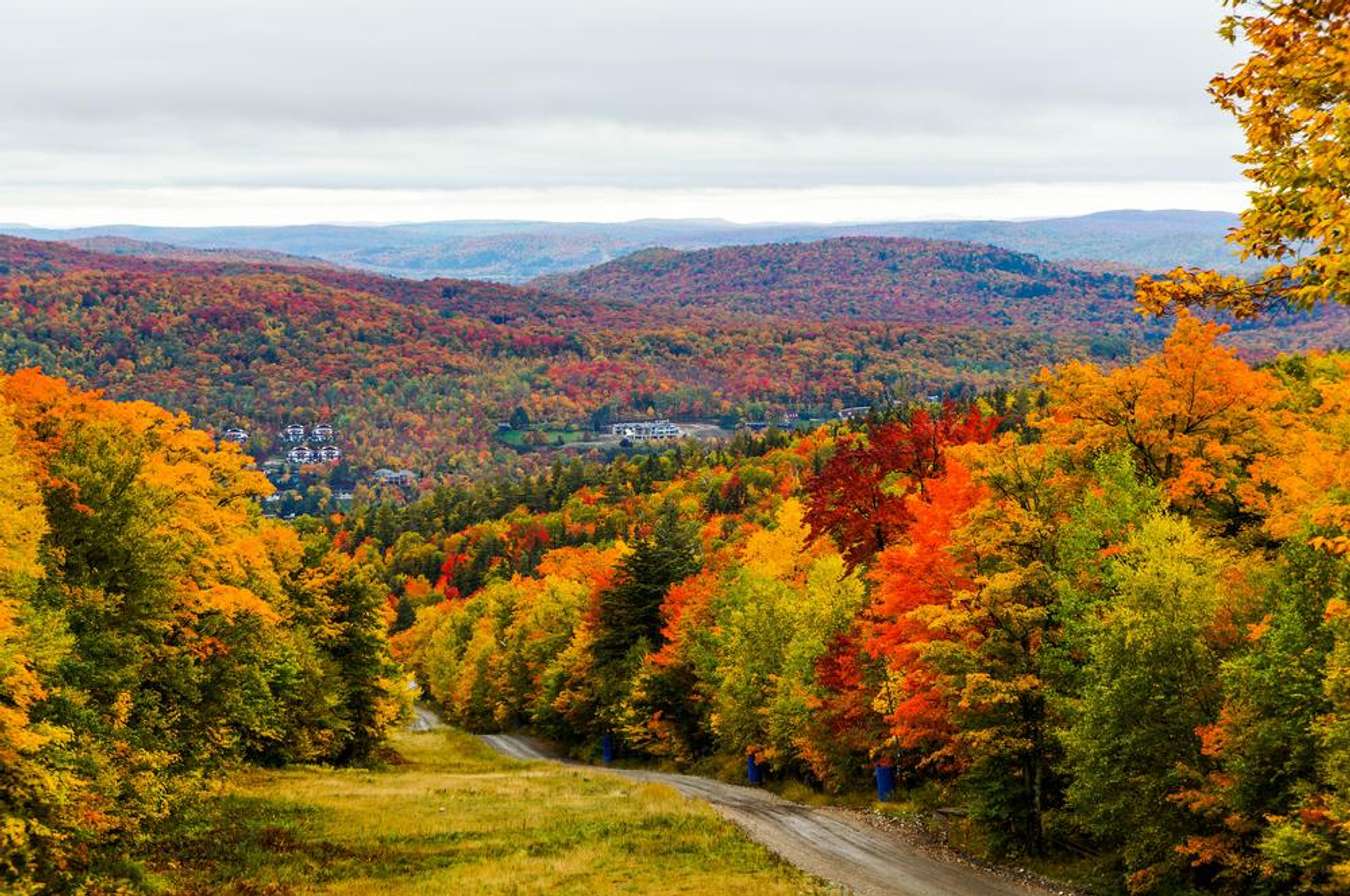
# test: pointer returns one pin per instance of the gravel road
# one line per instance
(832, 844)
(424, 720)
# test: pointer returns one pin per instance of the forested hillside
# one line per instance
(1106, 620)
(155, 631)
(916, 282)
(419, 374)
(904, 280)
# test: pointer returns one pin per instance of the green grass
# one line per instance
(455, 818)
(516, 438)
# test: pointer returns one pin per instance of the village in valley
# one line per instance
(298, 458)
(311, 473)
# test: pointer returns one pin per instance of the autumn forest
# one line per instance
(1060, 550)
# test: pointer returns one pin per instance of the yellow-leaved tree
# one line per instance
(31, 794)
(1292, 100)
(154, 629)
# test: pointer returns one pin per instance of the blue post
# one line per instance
(753, 772)
(607, 748)
(885, 775)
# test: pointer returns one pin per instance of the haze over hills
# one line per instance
(117, 245)
(517, 251)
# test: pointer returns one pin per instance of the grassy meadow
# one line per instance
(451, 816)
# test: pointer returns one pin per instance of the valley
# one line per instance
(425, 376)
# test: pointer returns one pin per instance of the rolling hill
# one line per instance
(917, 283)
(911, 281)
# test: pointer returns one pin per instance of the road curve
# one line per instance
(424, 720)
(830, 844)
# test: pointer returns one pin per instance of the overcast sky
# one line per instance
(209, 112)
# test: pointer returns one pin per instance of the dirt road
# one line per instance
(424, 719)
(831, 844)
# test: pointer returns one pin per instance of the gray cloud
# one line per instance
(525, 93)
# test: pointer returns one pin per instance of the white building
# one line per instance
(235, 434)
(295, 433)
(395, 477)
(301, 455)
(646, 430)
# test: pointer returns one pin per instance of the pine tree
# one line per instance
(630, 611)
(362, 652)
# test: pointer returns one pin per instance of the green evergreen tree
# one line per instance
(630, 611)
(362, 653)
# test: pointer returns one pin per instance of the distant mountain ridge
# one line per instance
(518, 251)
(119, 245)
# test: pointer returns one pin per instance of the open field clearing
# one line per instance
(456, 818)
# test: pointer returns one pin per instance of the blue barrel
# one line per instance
(885, 775)
(753, 772)
(607, 748)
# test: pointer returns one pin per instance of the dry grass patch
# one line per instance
(457, 818)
